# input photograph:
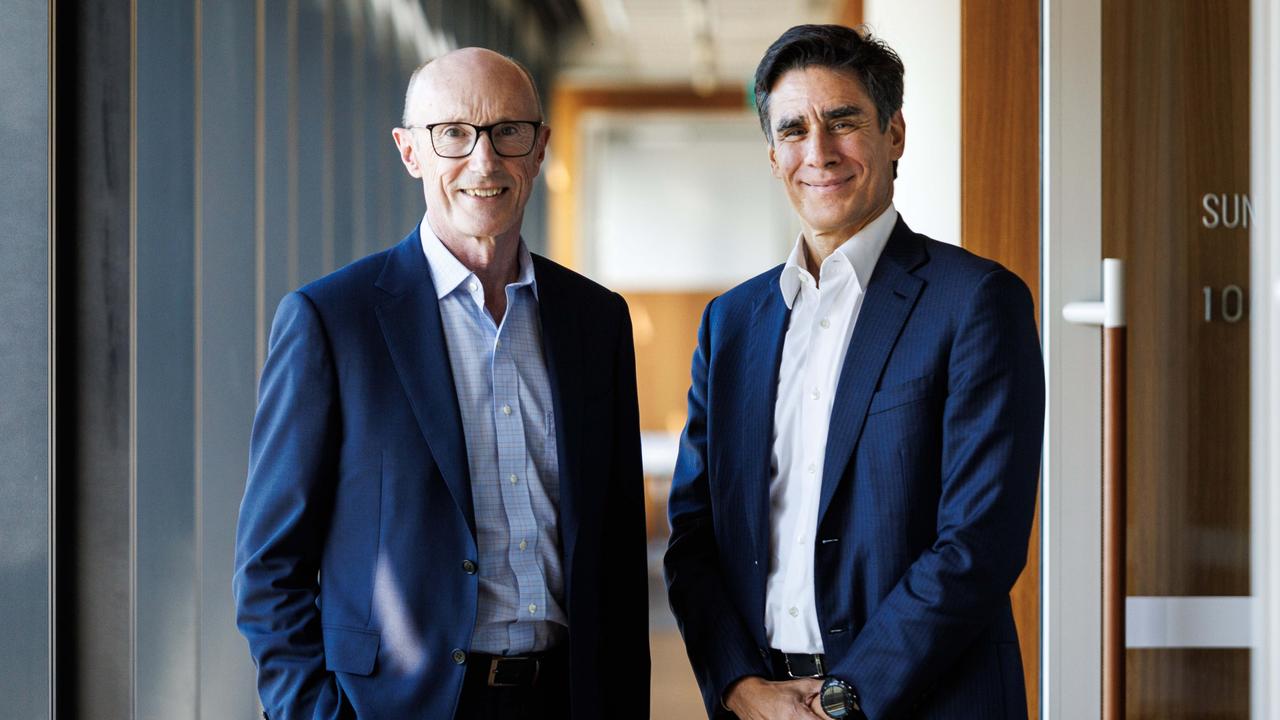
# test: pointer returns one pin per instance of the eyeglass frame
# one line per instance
(480, 130)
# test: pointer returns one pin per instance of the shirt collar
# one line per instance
(862, 251)
(448, 272)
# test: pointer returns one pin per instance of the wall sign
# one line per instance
(1226, 210)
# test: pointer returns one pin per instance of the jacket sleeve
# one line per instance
(992, 431)
(626, 579)
(720, 646)
(284, 517)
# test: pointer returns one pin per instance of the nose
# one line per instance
(483, 155)
(819, 150)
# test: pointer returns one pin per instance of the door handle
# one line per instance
(1107, 312)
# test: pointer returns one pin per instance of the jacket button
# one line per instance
(469, 567)
(458, 656)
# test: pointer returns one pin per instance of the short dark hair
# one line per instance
(837, 47)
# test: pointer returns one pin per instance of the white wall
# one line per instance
(926, 34)
(680, 201)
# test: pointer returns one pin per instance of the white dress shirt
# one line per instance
(823, 315)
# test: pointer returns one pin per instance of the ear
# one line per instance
(773, 162)
(408, 152)
(542, 143)
(897, 135)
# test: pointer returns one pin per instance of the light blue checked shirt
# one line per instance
(500, 378)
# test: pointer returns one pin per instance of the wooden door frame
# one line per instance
(1000, 204)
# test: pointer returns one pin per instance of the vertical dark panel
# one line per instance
(376, 124)
(93, 360)
(341, 109)
(397, 181)
(362, 111)
(276, 137)
(408, 203)
(310, 141)
(392, 177)
(225, 292)
(293, 101)
(24, 360)
(327, 151)
(164, 395)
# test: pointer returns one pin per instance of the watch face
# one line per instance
(835, 700)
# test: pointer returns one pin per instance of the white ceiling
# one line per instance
(682, 41)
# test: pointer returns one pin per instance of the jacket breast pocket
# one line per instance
(902, 394)
(348, 650)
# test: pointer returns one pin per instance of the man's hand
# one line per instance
(815, 704)
(753, 698)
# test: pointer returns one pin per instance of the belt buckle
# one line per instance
(817, 664)
(493, 671)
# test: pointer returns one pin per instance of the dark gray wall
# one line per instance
(24, 361)
(211, 156)
(165, 544)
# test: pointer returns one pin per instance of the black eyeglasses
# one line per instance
(510, 138)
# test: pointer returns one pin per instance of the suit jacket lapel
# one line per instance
(414, 334)
(891, 295)
(562, 347)
(759, 393)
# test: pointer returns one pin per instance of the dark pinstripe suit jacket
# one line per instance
(927, 496)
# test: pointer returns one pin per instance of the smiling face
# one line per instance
(483, 194)
(829, 151)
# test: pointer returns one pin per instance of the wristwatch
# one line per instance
(839, 700)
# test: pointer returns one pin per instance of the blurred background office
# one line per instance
(171, 169)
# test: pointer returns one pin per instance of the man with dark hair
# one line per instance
(444, 516)
(857, 478)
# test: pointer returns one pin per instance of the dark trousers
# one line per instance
(545, 699)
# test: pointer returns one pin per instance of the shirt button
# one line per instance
(532, 608)
(813, 468)
(472, 286)
(794, 611)
(815, 394)
(469, 567)
(458, 656)
(825, 323)
(513, 478)
(523, 544)
(506, 409)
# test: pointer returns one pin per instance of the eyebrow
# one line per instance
(843, 111)
(798, 121)
(795, 121)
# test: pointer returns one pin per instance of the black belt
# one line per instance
(509, 670)
(796, 665)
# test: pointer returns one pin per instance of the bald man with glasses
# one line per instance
(444, 512)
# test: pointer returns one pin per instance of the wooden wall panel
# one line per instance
(666, 332)
(1000, 201)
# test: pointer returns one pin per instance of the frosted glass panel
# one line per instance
(681, 202)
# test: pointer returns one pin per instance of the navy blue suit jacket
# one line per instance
(358, 474)
(928, 490)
